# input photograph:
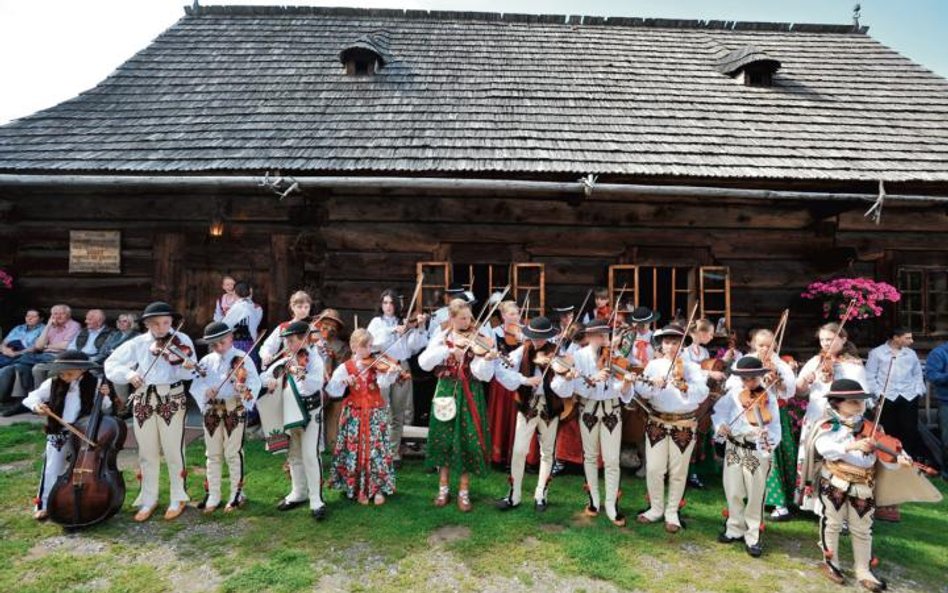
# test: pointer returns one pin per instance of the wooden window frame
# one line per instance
(420, 273)
(927, 331)
(518, 288)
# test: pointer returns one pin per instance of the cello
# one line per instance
(92, 488)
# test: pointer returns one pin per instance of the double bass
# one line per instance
(92, 488)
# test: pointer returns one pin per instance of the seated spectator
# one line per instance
(126, 328)
(92, 338)
(55, 338)
(21, 338)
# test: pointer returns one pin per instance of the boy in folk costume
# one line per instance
(458, 435)
(224, 395)
(156, 364)
(70, 394)
(843, 462)
(782, 478)
(539, 404)
(362, 464)
(300, 376)
(747, 419)
(639, 350)
(600, 419)
(671, 427)
(397, 340)
(603, 308)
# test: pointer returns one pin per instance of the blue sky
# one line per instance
(51, 50)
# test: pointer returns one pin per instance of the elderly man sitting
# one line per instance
(55, 338)
(21, 338)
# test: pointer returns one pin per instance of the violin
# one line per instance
(715, 387)
(239, 376)
(753, 400)
(173, 349)
(513, 334)
(384, 363)
(678, 376)
(479, 345)
(888, 448)
(283, 360)
(827, 368)
(92, 488)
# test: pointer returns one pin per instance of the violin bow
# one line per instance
(70, 427)
(525, 307)
(612, 319)
(681, 344)
(478, 323)
(163, 349)
(414, 297)
(780, 331)
(240, 363)
(885, 388)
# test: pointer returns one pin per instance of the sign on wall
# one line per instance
(95, 251)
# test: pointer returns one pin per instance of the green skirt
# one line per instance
(462, 443)
(783, 473)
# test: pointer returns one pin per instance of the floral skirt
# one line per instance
(783, 474)
(362, 460)
(462, 443)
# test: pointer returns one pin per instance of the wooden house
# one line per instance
(349, 150)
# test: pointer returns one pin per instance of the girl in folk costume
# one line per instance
(600, 417)
(842, 462)
(603, 308)
(226, 300)
(538, 404)
(299, 374)
(782, 478)
(458, 435)
(746, 418)
(702, 460)
(362, 459)
(300, 308)
(334, 350)
(674, 388)
(244, 317)
(70, 394)
(838, 359)
(398, 340)
(224, 394)
(569, 442)
(156, 364)
(501, 409)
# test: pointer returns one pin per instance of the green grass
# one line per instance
(388, 548)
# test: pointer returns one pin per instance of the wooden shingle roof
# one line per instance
(250, 89)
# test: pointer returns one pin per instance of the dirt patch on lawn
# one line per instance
(448, 534)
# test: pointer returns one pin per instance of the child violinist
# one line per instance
(781, 481)
(539, 403)
(157, 364)
(600, 417)
(458, 436)
(224, 395)
(300, 375)
(70, 394)
(300, 308)
(838, 359)
(362, 464)
(501, 410)
(747, 419)
(844, 463)
(674, 388)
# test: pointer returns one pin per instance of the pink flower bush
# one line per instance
(6, 280)
(867, 294)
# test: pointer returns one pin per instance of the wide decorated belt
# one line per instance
(851, 473)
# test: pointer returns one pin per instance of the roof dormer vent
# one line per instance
(749, 65)
(366, 55)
